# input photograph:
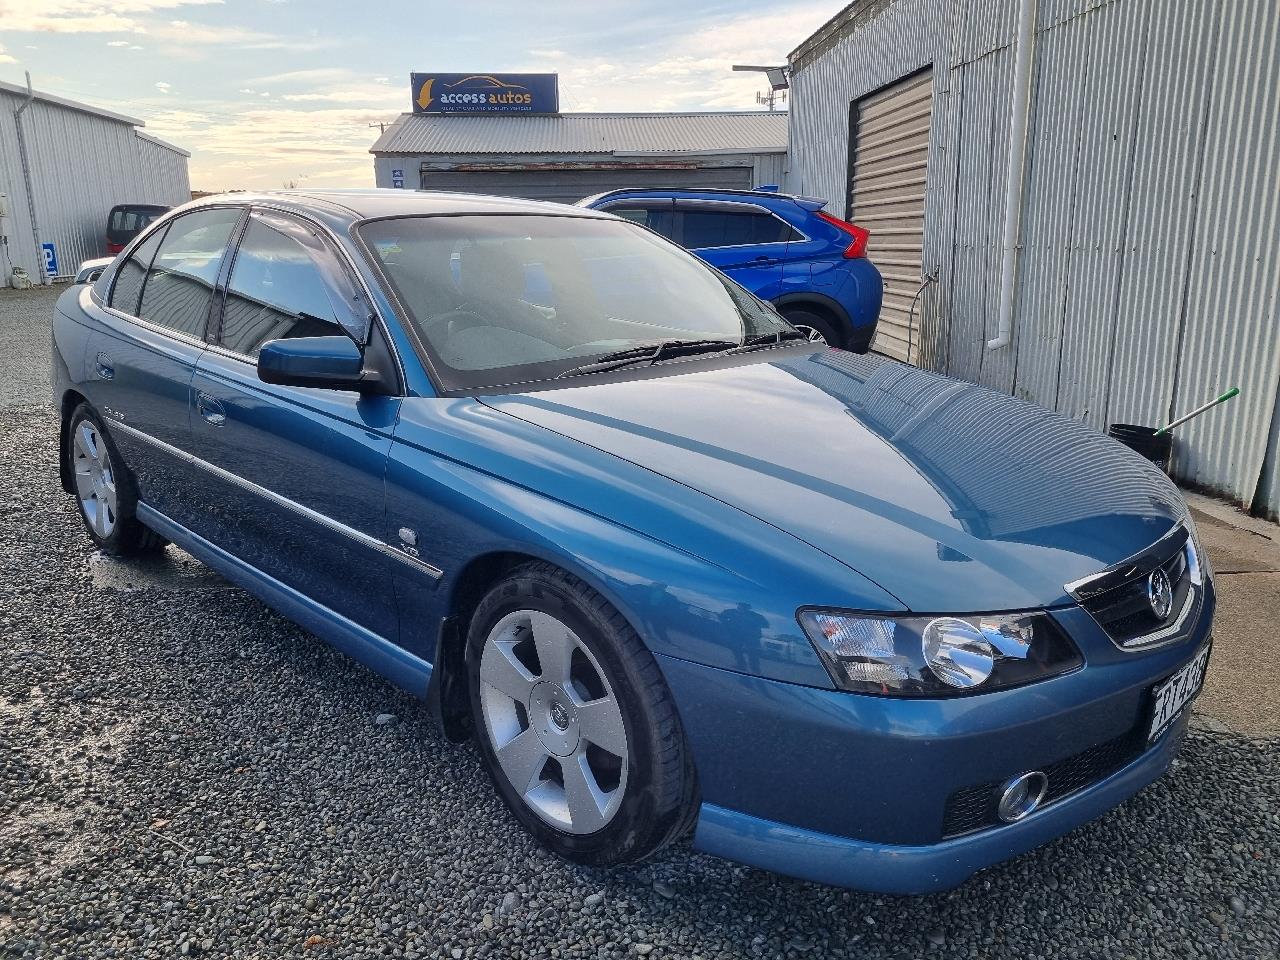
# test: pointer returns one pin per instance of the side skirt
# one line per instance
(379, 654)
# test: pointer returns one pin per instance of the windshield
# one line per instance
(511, 299)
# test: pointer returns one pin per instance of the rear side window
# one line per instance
(132, 273)
(715, 228)
(276, 289)
(179, 286)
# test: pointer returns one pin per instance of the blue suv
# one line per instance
(811, 266)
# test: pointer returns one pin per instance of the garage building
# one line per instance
(1073, 201)
(63, 166)
(567, 156)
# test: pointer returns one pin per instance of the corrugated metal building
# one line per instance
(82, 161)
(1147, 270)
(568, 156)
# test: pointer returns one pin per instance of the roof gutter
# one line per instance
(1016, 168)
(45, 279)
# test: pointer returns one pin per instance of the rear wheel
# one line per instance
(574, 720)
(104, 490)
(813, 325)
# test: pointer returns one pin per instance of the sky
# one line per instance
(268, 93)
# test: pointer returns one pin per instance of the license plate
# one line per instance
(1173, 694)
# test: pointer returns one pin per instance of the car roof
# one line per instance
(373, 202)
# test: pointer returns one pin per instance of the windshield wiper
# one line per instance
(649, 354)
(761, 340)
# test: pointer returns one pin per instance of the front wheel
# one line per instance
(574, 721)
(105, 491)
(814, 326)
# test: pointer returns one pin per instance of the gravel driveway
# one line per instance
(183, 772)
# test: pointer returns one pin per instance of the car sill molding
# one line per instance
(301, 510)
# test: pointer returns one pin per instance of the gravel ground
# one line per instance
(183, 772)
(25, 317)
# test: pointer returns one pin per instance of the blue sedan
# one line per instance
(673, 567)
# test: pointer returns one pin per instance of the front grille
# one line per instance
(974, 808)
(1118, 597)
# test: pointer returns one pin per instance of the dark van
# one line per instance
(127, 220)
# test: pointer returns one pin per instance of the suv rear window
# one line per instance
(127, 220)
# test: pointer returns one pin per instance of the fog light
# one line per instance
(1021, 796)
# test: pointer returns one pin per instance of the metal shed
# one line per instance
(1143, 272)
(565, 157)
(79, 162)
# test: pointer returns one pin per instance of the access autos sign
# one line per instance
(485, 93)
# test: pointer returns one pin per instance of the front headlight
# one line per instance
(914, 656)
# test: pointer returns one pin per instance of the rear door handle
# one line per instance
(211, 409)
(102, 366)
(763, 259)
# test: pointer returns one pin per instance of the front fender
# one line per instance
(697, 579)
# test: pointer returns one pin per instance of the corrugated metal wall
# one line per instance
(1149, 274)
(765, 167)
(82, 164)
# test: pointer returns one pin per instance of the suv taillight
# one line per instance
(858, 244)
(114, 248)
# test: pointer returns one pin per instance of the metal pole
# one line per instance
(45, 280)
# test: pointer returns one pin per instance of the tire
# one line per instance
(106, 494)
(814, 323)
(640, 773)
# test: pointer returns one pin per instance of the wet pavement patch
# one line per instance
(171, 569)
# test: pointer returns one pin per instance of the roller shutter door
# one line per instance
(889, 149)
(570, 186)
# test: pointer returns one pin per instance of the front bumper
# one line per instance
(887, 868)
(853, 790)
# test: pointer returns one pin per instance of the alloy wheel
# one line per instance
(95, 479)
(553, 721)
(811, 334)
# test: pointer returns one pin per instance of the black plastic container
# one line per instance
(1144, 440)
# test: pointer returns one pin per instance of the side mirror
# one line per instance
(333, 363)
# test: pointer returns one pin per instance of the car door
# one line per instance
(743, 240)
(294, 482)
(147, 338)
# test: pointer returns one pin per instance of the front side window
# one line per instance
(132, 273)
(704, 229)
(276, 289)
(501, 299)
(659, 219)
(179, 285)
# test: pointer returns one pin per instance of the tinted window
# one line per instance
(129, 278)
(179, 286)
(511, 299)
(276, 290)
(714, 228)
(658, 219)
(126, 222)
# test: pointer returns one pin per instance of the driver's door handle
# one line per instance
(211, 409)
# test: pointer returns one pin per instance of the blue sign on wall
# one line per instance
(50, 254)
(485, 92)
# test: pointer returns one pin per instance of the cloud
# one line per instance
(117, 43)
(143, 17)
(6, 58)
(548, 54)
(163, 87)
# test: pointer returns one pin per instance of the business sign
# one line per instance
(50, 255)
(485, 92)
